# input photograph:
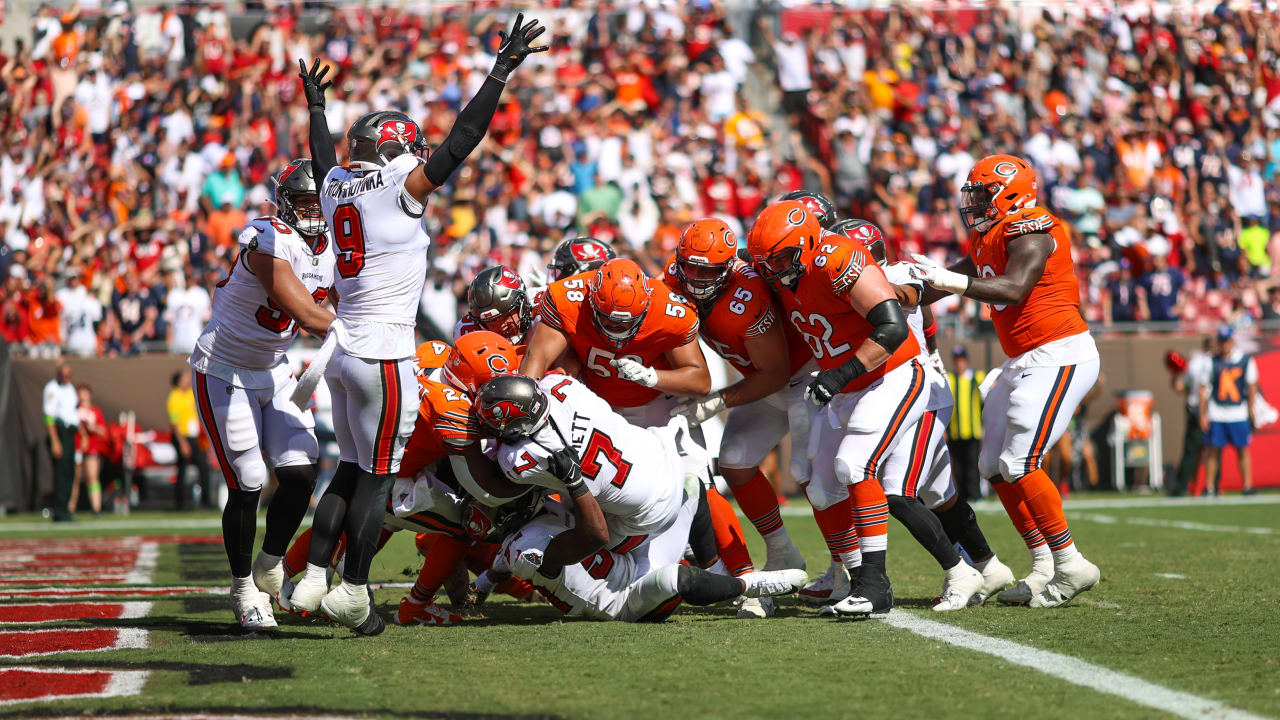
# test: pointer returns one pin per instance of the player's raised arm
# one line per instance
(323, 156)
(473, 121)
(872, 296)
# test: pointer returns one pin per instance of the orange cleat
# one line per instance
(412, 613)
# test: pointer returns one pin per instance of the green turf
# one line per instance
(1212, 634)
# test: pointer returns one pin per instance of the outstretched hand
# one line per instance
(516, 46)
(313, 82)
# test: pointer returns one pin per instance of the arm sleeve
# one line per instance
(468, 130)
(323, 157)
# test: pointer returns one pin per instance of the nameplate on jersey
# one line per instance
(340, 190)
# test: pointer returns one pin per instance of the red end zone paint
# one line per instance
(28, 613)
(26, 643)
(47, 592)
(28, 684)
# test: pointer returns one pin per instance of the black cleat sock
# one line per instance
(363, 524)
(288, 506)
(328, 523)
(962, 527)
(239, 525)
(700, 587)
(925, 527)
(702, 534)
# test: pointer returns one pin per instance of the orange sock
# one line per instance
(870, 515)
(295, 559)
(836, 525)
(759, 503)
(445, 554)
(1041, 498)
(1011, 498)
(729, 539)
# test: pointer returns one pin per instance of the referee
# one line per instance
(62, 418)
(964, 434)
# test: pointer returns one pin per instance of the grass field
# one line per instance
(1184, 623)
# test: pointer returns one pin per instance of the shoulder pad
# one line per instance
(1029, 221)
(845, 265)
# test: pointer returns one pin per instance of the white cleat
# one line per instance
(350, 608)
(772, 582)
(268, 577)
(787, 557)
(761, 607)
(963, 582)
(1071, 578)
(830, 587)
(307, 594)
(996, 576)
(1031, 585)
(253, 611)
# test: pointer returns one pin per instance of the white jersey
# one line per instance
(899, 273)
(381, 247)
(247, 336)
(634, 474)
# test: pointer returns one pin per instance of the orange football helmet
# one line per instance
(704, 258)
(432, 354)
(477, 358)
(619, 298)
(778, 238)
(998, 185)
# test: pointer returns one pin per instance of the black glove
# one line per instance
(515, 47)
(313, 83)
(564, 465)
(828, 383)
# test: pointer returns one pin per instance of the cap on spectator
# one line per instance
(959, 351)
(843, 125)
(1225, 332)
(1182, 125)
(228, 160)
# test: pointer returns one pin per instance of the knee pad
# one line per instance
(821, 497)
(989, 467)
(251, 472)
(846, 473)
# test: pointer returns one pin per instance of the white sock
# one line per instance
(355, 589)
(268, 561)
(242, 585)
(316, 573)
(1065, 553)
(1041, 556)
(719, 568)
(851, 559)
(484, 583)
(982, 566)
(777, 540)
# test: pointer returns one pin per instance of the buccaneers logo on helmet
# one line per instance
(397, 131)
(503, 412)
(586, 252)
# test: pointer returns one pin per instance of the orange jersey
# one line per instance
(669, 323)
(820, 308)
(1052, 309)
(743, 310)
(445, 426)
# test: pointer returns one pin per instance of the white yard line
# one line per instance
(145, 566)
(1072, 670)
(1096, 603)
(1178, 524)
(1171, 576)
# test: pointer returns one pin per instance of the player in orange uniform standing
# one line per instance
(638, 345)
(873, 388)
(737, 318)
(1020, 263)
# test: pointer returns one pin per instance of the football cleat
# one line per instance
(307, 594)
(1071, 578)
(429, 613)
(761, 607)
(962, 583)
(833, 585)
(269, 578)
(773, 582)
(253, 611)
(350, 608)
(872, 596)
(996, 576)
(787, 557)
(1031, 585)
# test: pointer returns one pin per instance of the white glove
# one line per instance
(699, 410)
(935, 358)
(636, 372)
(926, 270)
(527, 565)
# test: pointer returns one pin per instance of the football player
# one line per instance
(498, 301)
(919, 470)
(1019, 262)
(816, 203)
(375, 207)
(837, 297)
(243, 383)
(738, 320)
(559, 435)
(578, 255)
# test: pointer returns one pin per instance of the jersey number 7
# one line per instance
(348, 236)
(603, 444)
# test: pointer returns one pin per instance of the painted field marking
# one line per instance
(34, 613)
(1178, 524)
(1171, 576)
(139, 524)
(1096, 603)
(29, 643)
(1072, 670)
(800, 508)
(57, 593)
(37, 684)
(145, 566)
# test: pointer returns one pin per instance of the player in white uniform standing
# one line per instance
(557, 434)
(242, 383)
(375, 207)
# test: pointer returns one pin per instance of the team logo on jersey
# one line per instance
(509, 279)
(397, 131)
(478, 525)
(586, 252)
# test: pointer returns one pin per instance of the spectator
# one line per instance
(136, 310)
(1120, 302)
(62, 419)
(223, 187)
(1187, 377)
(184, 425)
(964, 435)
(1161, 290)
(1226, 409)
(81, 312)
(91, 444)
(186, 311)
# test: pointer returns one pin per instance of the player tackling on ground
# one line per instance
(1020, 263)
(375, 207)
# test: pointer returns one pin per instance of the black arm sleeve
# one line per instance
(323, 157)
(468, 130)
(889, 325)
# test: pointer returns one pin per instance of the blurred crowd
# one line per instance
(136, 142)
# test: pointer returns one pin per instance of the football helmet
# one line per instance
(298, 201)
(779, 238)
(619, 299)
(431, 355)
(816, 203)
(511, 407)
(997, 185)
(477, 358)
(380, 136)
(578, 255)
(493, 524)
(704, 258)
(866, 233)
(498, 302)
